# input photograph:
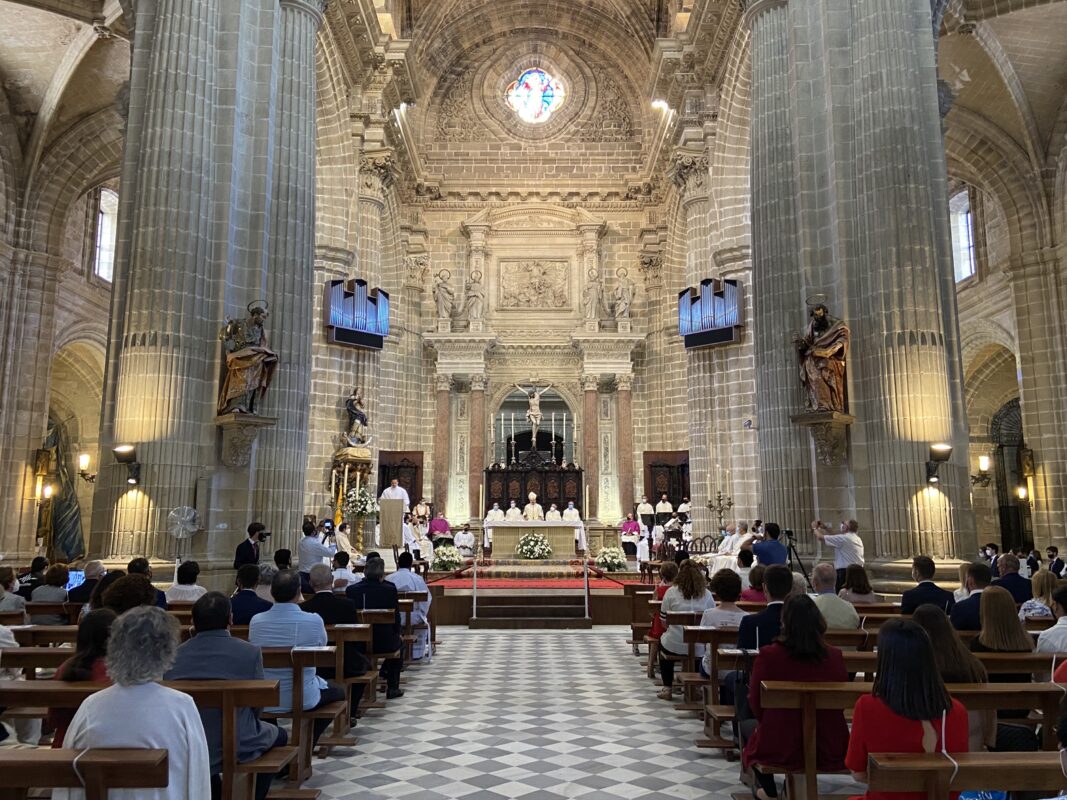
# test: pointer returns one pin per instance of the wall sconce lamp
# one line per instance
(939, 454)
(1022, 493)
(127, 454)
(982, 477)
(83, 468)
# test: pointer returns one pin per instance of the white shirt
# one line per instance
(346, 575)
(553, 515)
(397, 493)
(1054, 639)
(513, 513)
(848, 548)
(184, 593)
(310, 551)
(663, 507)
(147, 716)
(642, 550)
(494, 515)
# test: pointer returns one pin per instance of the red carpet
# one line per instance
(514, 583)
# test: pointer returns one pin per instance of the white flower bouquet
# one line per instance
(359, 503)
(611, 559)
(533, 546)
(446, 558)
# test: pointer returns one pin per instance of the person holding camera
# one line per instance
(848, 546)
(312, 551)
(248, 550)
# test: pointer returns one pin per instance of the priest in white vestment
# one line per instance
(514, 513)
(394, 491)
(496, 514)
(136, 712)
(570, 514)
(552, 515)
(645, 512)
(533, 511)
(664, 509)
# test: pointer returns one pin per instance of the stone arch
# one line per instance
(85, 155)
(992, 380)
(1007, 425)
(565, 391)
(9, 161)
(978, 334)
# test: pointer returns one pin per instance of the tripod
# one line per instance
(795, 561)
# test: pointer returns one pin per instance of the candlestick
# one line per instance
(357, 482)
(333, 482)
(481, 498)
(512, 426)
(585, 506)
(344, 485)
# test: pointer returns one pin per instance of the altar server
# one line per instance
(411, 542)
(642, 549)
(514, 514)
(465, 542)
(553, 515)
(394, 491)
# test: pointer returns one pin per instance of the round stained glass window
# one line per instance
(535, 95)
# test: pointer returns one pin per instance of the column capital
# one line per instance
(313, 8)
(590, 383)
(756, 8)
(442, 382)
(689, 172)
(624, 382)
(479, 382)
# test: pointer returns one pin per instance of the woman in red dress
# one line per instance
(799, 654)
(87, 664)
(909, 710)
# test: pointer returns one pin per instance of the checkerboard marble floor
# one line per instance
(528, 714)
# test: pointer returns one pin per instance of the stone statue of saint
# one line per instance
(533, 412)
(823, 349)
(624, 294)
(356, 434)
(475, 297)
(592, 296)
(250, 363)
(443, 295)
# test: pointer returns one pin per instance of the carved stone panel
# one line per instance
(533, 284)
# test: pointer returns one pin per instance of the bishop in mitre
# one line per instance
(533, 511)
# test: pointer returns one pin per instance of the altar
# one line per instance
(506, 534)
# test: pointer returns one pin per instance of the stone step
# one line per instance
(546, 599)
(524, 612)
(530, 623)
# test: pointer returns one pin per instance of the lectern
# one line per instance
(391, 521)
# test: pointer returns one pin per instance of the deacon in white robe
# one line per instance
(146, 716)
(405, 580)
(496, 514)
(570, 514)
(513, 514)
(533, 511)
(394, 491)
(411, 541)
(425, 550)
(464, 540)
(552, 515)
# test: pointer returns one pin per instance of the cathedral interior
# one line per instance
(448, 204)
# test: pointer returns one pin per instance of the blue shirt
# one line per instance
(770, 552)
(286, 625)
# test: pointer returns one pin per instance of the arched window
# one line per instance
(106, 228)
(534, 95)
(962, 221)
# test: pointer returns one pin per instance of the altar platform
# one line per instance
(506, 535)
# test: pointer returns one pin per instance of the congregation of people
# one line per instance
(782, 623)
(129, 639)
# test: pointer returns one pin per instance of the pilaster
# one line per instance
(476, 462)
(590, 438)
(441, 437)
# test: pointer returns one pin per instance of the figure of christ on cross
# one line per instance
(533, 413)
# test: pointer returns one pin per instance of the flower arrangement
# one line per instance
(533, 546)
(446, 558)
(359, 503)
(611, 559)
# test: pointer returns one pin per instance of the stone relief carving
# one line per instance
(611, 120)
(533, 284)
(456, 121)
(418, 267)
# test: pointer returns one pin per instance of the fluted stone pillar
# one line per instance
(905, 344)
(442, 435)
(281, 463)
(590, 438)
(625, 411)
(476, 462)
(161, 383)
(785, 449)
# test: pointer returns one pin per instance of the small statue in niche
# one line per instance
(592, 296)
(823, 350)
(475, 297)
(624, 294)
(443, 295)
(250, 363)
(357, 434)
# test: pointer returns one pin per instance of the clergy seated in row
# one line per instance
(553, 515)
(737, 536)
(406, 580)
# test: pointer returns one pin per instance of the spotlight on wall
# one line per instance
(133, 473)
(47, 491)
(982, 477)
(661, 105)
(125, 453)
(939, 454)
(1021, 492)
(83, 469)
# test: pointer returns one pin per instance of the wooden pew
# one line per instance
(58, 609)
(102, 770)
(44, 635)
(809, 698)
(932, 773)
(229, 696)
(377, 616)
(640, 619)
(411, 627)
(339, 636)
(11, 618)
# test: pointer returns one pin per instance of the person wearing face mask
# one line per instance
(992, 552)
(495, 514)
(570, 514)
(553, 515)
(645, 512)
(513, 514)
(848, 546)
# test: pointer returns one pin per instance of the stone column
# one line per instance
(281, 464)
(625, 422)
(442, 435)
(161, 387)
(784, 448)
(590, 439)
(476, 462)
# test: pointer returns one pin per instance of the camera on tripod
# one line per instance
(790, 534)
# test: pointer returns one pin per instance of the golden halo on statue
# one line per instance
(260, 304)
(815, 299)
(444, 274)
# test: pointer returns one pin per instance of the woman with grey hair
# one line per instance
(137, 712)
(266, 577)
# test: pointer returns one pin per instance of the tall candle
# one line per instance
(512, 425)
(357, 481)
(344, 485)
(585, 505)
(481, 498)
(333, 482)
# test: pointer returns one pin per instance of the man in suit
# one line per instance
(140, 566)
(1055, 563)
(992, 552)
(762, 628)
(212, 654)
(248, 550)
(375, 592)
(1010, 579)
(966, 614)
(337, 610)
(245, 602)
(925, 591)
(94, 571)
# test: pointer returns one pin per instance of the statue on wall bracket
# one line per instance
(357, 433)
(823, 352)
(250, 363)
